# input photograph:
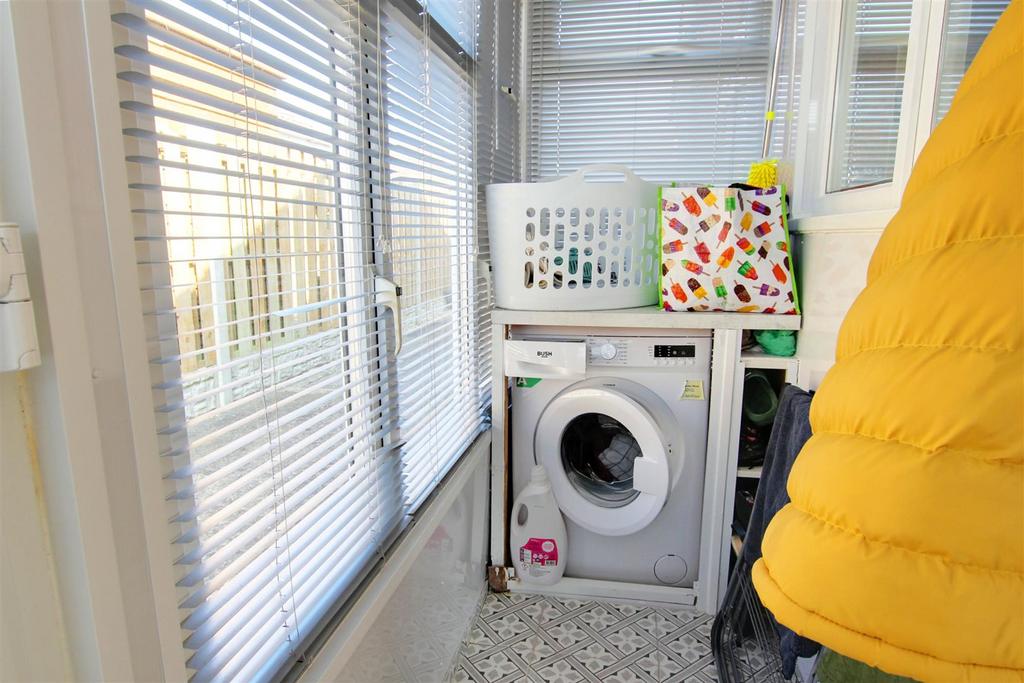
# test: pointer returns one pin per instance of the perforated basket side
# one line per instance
(574, 244)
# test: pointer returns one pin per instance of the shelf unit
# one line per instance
(783, 370)
(727, 371)
(757, 359)
(748, 472)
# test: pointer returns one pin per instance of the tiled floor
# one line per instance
(520, 637)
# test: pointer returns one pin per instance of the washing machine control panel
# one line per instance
(674, 350)
(608, 351)
(652, 352)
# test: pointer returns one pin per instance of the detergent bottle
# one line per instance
(537, 532)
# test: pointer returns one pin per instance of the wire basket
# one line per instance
(582, 242)
(743, 636)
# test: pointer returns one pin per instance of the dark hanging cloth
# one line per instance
(791, 429)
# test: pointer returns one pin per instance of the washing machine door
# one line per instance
(606, 457)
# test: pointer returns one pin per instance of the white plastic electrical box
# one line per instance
(19, 346)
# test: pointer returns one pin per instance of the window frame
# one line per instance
(821, 62)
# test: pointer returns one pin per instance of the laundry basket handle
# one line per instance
(627, 173)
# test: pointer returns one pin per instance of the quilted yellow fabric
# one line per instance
(903, 546)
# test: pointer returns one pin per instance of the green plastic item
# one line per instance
(777, 342)
(760, 402)
(835, 668)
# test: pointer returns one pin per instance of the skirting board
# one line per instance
(610, 590)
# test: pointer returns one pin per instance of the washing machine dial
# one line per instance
(608, 351)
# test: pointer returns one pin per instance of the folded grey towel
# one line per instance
(791, 429)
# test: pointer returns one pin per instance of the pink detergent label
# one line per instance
(539, 552)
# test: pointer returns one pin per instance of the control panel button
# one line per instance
(608, 351)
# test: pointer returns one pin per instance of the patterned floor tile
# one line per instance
(509, 626)
(627, 639)
(596, 658)
(561, 672)
(533, 650)
(476, 642)
(599, 617)
(542, 611)
(567, 633)
(689, 648)
(519, 637)
(657, 623)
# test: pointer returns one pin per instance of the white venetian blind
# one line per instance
(968, 23)
(428, 227)
(869, 93)
(675, 90)
(251, 128)
(498, 159)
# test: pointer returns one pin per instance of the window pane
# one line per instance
(869, 93)
(456, 17)
(246, 146)
(430, 231)
(968, 22)
(282, 154)
(675, 90)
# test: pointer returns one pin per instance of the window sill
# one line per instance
(860, 221)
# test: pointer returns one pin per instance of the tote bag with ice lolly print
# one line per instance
(726, 249)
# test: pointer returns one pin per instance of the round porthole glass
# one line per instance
(598, 453)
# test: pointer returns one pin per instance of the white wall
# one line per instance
(832, 269)
(78, 439)
(32, 642)
(33, 646)
(417, 636)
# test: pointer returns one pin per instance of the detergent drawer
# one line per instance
(545, 359)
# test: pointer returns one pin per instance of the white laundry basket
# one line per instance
(582, 242)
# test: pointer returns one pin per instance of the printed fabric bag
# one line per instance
(726, 249)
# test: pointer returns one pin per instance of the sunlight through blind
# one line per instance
(675, 90)
(281, 155)
(428, 228)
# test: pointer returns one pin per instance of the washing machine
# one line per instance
(621, 425)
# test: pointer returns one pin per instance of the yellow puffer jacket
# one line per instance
(903, 546)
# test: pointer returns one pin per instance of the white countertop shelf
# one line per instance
(749, 472)
(758, 359)
(651, 317)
